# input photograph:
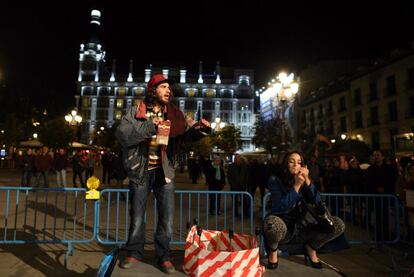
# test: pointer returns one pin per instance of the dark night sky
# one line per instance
(39, 44)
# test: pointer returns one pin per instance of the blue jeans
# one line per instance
(164, 194)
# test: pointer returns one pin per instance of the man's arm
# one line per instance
(133, 131)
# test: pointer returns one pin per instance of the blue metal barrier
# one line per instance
(113, 214)
(46, 215)
(369, 218)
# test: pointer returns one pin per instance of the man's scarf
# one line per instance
(174, 115)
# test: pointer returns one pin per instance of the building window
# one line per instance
(374, 115)
(119, 103)
(103, 102)
(104, 91)
(121, 91)
(373, 94)
(342, 104)
(190, 104)
(343, 124)
(118, 115)
(209, 92)
(85, 102)
(391, 90)
(392, 111)
(357, 97)
(87, 90)
(226, 106)
(320, 111)
(358, 119)
(191, 92)
(208, 105)
(138, 91)
(330, 109)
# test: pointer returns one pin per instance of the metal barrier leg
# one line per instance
(69, 252)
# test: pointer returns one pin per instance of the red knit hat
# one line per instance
(158, 79)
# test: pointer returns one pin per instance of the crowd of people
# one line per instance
(38, 165)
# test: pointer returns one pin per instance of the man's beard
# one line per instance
(160, 101)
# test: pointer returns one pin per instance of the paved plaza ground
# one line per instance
(48, 259)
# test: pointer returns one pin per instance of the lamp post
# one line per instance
(74, 119)
(217, 125)
(284, 88)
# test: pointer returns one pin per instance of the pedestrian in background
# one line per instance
(60, 163)
(43, 164)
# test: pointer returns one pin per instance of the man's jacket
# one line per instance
(134, 134)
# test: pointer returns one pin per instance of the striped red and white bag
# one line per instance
(213, 254)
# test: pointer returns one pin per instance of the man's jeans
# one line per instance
(61, 177)
(45, 175)
(164, 194)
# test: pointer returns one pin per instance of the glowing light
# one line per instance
(343, 136)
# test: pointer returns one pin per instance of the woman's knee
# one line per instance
(274, 231)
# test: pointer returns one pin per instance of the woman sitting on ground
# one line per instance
(282, 225)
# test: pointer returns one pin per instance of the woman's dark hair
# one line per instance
(286, 177)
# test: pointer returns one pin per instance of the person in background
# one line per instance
(77, 169)
(60, 163)
(27, 163)
(380, 179)
(43, 164)
(216, 180)
(237, 177)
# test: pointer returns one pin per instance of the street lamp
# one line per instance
(284, 87)
(217, 125)
(73, 118)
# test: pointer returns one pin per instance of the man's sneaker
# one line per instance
(167, 267)
(127, 262)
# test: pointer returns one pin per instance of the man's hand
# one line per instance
(156, 121)
(190, 121)
(205, 122)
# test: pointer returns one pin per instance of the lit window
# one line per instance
(119, 103)
(210, 92)
(85, 102)
(118, 115)
(191, 92)
(121, 91)
(139, 91)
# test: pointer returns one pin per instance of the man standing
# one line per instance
(150, 135)
(380, 179)
(60, 163)
(43, 163)
(238, 178)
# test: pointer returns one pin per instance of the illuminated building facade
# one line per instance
(104, 96)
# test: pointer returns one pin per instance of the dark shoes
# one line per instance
(167, 267)
(317, 265)
(128, 262)
(272, 265)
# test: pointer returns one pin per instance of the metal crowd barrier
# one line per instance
(113, 214)
(40, 215)
(64, 216)
(369, 218)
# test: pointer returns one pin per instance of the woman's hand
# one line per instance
(304, 171)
